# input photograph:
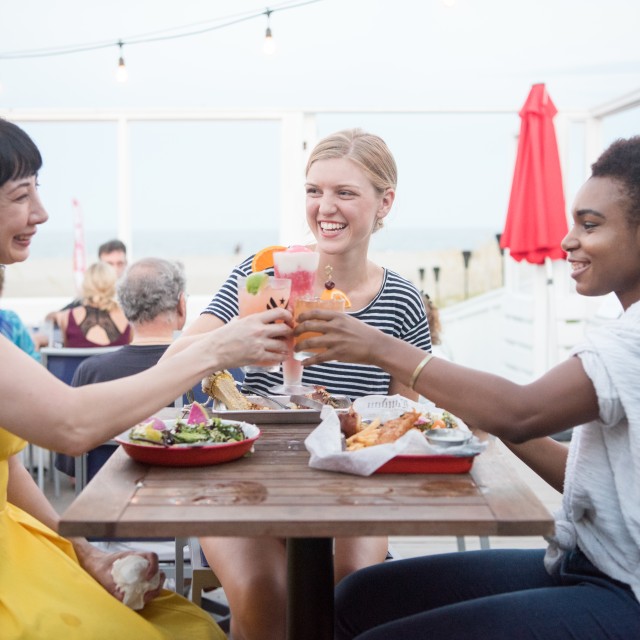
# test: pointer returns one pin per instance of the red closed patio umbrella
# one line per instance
(536, 219)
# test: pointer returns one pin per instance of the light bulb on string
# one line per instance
(269, 46)
(121, 72)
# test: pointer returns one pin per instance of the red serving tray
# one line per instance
(427, 464)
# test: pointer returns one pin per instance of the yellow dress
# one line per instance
(44, 593)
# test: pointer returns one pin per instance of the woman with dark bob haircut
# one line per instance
(586, 584)
(56, 588)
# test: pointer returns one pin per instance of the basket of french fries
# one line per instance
(391, 434)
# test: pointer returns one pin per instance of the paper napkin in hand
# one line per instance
(128, 574)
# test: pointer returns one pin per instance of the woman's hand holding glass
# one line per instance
(257, 338)
(310, 303)
(256, 293)
(341, 337)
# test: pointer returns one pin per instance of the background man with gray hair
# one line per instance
(152, 296)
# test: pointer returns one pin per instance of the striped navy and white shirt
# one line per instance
(397, 310)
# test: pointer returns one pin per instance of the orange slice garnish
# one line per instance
(335, 294)
(264, 258)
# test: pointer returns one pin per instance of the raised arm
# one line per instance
(41, 409)
(562, 398)
(202, 324)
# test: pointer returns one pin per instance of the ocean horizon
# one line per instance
(242, 242)
(208, 258)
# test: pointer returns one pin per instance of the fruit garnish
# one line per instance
(197, 414)
(336, 294)
(330, 292)
(156, 423)
(148, 431)
(255, 282)
(329, 284)
(264, 258)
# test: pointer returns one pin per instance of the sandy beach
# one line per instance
(53, 277)
(37, 286)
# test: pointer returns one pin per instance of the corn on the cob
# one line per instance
(222, 387)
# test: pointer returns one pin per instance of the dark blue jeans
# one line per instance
(498, 594)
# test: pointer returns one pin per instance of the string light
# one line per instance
(269, 46)
(121, 72)
(193, 29)
(182, 31)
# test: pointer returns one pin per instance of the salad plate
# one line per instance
(184, 454)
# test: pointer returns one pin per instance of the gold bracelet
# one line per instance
(418, 370)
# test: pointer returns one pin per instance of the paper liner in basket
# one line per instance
(325, 445)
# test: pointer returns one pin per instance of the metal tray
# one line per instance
(268, 416)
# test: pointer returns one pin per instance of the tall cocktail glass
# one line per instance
(309, 303)
(271, 293)
(300, 265)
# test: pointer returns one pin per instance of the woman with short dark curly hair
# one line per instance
(51, 587)
(586, 584)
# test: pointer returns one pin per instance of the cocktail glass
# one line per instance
(274, 292)
(309, 303)
(300, 265)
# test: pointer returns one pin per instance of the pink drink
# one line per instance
(273, 293)
(291, 374)
(299, 265)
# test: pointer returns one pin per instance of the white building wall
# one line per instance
(525, 328)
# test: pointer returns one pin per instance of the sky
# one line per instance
(329, 53)
(452, 55)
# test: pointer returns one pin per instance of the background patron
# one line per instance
(98, 321)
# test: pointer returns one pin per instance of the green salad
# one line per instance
(213, 431)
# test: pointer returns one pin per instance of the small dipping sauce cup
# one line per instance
(447, 437)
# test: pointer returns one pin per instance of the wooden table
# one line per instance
(275, 493)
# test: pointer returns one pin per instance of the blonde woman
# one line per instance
(350, 188)
(98, 321)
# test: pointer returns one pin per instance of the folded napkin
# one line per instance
(128, 574)
(324, 443)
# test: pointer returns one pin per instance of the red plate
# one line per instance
(427, 464)
(189, 455)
